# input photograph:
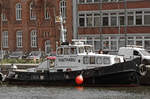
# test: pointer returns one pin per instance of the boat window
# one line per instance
(117, 60)
(60, 51)
(85, 60)
(73, 50)
(106, 60)
(66, 51)
(81, 49)
(88, 49)
(136, 53)
(99, 60)
(92, 60)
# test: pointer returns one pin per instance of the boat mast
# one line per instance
(62, 29)
(1, 37)
(100, 25)
(119, 27)
(125, 20)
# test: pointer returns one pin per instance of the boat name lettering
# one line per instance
(67, 59)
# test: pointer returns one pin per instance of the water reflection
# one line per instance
(28, 92)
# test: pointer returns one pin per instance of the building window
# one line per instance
(106, 44)
(96, 19)
(3, 17)
(88, 1)
(96, 1)
(130, 20)
(97, 45)
(89, 20)
(63, 8)
(138, 20)
(5, 39)
(46, 12)
(113, 45)
(18, 11)
(121, 18)
(105, 19)
(147, 18)
(81, 1)
(92, 19)
(147, 44)
(19, 39)
(46, 34)
(32, 12)
(138, 17)
(34, 38)
(113, 20)
(82, 20)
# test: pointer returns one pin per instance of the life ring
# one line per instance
(142, 69)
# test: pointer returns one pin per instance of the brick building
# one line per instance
(124, 22)
(107, 24)
(29, 25)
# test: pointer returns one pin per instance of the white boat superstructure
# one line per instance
(80, 56)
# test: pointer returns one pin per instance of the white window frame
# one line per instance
(32, 13)
(5, 39)
(89, 17)
(96, 16)
(34, 38)
(63, 7)
(130, 12)
(82, 15)
(18, 11)
(19, 36)
(46, 13)
(3, 17)
(141, 15)
(144, 14)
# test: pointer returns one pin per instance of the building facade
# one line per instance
(29, 25)
(110, 24)
(106, 24)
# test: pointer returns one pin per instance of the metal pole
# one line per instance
(100, 28)
(118, 27)
(1, 42)
(1, 38)
(125, 21)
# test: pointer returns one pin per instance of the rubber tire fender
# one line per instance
(142, 69)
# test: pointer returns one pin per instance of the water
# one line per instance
(32, 92)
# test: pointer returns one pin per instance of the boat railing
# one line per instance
(79, 41)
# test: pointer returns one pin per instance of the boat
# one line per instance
(78, 59)
(77, 64)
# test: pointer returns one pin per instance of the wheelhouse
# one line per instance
(74, 50)
(81, 56)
